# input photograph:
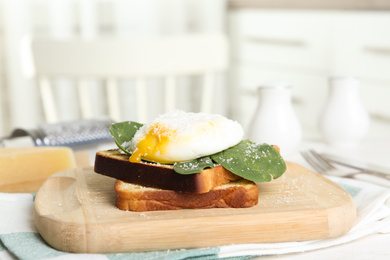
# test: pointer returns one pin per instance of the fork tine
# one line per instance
(323, 166)
(308, 156)
(325, 162)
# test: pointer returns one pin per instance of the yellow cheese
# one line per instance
(25, 169)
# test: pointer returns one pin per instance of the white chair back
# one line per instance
(117, 59)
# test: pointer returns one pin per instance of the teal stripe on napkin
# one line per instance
(2, 247)
(207, 253)
(28, 245)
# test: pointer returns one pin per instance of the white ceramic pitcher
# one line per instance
(274, 121)
(344, 121)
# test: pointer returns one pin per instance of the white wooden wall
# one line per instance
(19, 100)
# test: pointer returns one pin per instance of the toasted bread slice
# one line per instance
(238, 194)
(114, 163)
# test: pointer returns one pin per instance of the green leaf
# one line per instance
(123, 132)
(255, 162)
(193, 166)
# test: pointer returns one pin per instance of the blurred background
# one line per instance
(302, 43)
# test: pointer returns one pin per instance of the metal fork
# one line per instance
(323, 166)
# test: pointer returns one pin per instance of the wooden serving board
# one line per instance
(75, 211)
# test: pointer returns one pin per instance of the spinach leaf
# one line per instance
(255, 162)
(193, 166)
(123, 132)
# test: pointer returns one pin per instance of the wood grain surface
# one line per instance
(75, 211)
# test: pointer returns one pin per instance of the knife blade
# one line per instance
(358, 165)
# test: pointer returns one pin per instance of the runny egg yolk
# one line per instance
(152, 144)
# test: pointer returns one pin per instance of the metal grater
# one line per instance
(71, 133)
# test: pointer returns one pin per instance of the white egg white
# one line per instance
(188, 136)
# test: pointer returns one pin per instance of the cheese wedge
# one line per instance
(25, 169)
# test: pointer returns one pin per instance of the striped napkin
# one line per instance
(19, 238)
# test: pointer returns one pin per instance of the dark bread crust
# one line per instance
(115, 164)
(240, 194)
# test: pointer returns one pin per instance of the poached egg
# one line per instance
(179, 136)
